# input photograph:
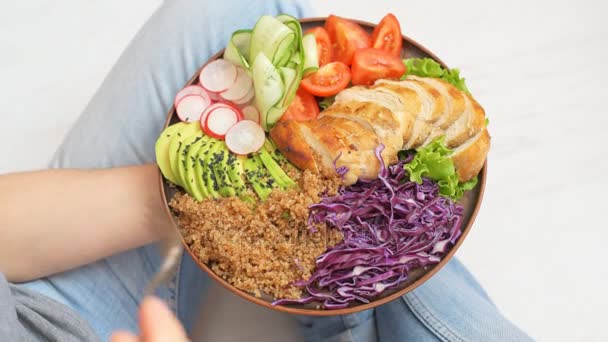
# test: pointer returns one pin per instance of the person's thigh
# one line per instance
(124, 118)
(119, 127)
(451, 306)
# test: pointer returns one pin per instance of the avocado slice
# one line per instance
(204, 174)
(220, 168)
(162, 152)
(219, 181)
(183, 131)
(258, 176)
(199, 192)
(183, 160)
(275, 170)
(275, 153)
(234, 165)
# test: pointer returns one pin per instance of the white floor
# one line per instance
(538, 67)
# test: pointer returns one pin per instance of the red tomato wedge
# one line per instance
(387, 35)
(372, 64)
(323, 45)
(304, 107)
(346, 38)
(329, 80)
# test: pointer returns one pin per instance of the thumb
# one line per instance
(158, 324)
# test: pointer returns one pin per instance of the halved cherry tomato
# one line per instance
(372, 64)
(303, 107)
(346, 38)
(387, 35)
(323, 45)
(328, 80)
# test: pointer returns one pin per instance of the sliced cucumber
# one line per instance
(271, 37)
(268, 86)
(284, 51)
(290, 22)
(237, 49)
(291, 80)
(311, 55)
(275, 60)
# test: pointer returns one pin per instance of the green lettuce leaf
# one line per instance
(433, 161)
(326, 102)
(426, 67)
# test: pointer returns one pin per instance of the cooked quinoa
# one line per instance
(263, 247)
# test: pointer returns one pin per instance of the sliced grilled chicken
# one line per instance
(454, 100)
(432, 105)
(471, 122)
(347, 142)
(469, 157)
(399, 114)
(383, 122)
(454, 105)
(390, 100)
(289, 139)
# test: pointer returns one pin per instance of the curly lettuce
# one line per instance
(433, 161)
(426, 67)
(326, 102)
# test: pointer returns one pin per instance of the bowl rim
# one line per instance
(349, 310)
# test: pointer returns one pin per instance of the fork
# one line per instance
(172, 250)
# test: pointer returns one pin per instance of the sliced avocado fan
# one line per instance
(205, 168)
(275, 170)
(162, 152)
(192, 182)
(184, 131)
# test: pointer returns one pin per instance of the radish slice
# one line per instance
(209, 109)
(245, 137)
(214, 96)
(220, 120)
(251, 113)
(191, 90)
(240, 88)
(247, 98)
(218, 76)
(191, 107)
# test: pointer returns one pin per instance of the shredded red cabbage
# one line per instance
(390, 226)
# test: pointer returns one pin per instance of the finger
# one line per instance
(158, 324)
(123, 336)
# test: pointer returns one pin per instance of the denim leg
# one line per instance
(451, 306)
(359, 327)
(119, 127)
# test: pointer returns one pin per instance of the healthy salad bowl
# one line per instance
(323, 166)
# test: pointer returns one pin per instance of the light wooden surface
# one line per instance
(538, 67)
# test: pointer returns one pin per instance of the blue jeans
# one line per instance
(119, 127)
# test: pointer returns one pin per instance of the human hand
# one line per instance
(156, 323)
